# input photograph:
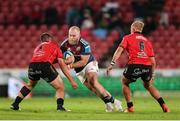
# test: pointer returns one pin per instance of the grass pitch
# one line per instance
(87, 109)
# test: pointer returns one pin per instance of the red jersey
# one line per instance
(139, 48)
(47, 52)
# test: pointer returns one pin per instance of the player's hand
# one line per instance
(109, 68)
(70, 66)
(69, 60)
(74, 85)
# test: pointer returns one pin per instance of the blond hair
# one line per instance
(137, 25)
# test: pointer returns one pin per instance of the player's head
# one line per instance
(74, 35)
(45, 37)
(137, 26)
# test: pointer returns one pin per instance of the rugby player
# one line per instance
(141, 64)
(86, 67)
(44, 56)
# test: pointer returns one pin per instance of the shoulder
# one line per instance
(53, 44)
(127, 36)
(64, 42)
(149, 42)
(84, 42)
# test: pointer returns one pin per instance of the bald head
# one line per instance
(74, 28)
(137, 26)
(74, 35)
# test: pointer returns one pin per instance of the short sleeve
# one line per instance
(150, 50)
(123, 43)
(86, 50)
(62, 48)
(59, 53)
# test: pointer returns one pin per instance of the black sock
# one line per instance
(60, 102)
(112, 99)
(108, 99)
(18, 100)
(130, 104)
(25, 91)
(160, 101)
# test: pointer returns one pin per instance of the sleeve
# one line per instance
(62, 48)
(59, 53)
(123, 43)
(86, 50)
(150, 50)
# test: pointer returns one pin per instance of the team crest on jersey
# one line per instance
(78, 48)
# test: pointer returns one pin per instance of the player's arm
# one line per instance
(65, 68)
(85, 55)
(153, 62)
(116, 55)
(81, 63)
(152, 58)
(66, 72)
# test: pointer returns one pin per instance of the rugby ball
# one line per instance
(68, 55)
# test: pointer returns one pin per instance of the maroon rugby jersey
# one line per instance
(139, 48)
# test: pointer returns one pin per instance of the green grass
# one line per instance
(87, 108)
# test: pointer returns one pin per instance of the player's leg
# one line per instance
(51, 76)
(57, 83)
(109, 106)
(101, 92)
(127, 94)
(155, 93)
(97, 87)
(148, 84)
(25, 90)
(91, 88)
(129, 76)
(91, 71)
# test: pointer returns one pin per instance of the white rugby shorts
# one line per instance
(90, 67)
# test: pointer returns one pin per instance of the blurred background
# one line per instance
(103, 23)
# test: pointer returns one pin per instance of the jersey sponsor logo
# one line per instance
(142, 55)
(35, 72)
(40, 53)
(138, 71)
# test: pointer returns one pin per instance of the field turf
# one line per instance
(87, 109)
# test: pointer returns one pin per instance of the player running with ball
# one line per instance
(86, 67)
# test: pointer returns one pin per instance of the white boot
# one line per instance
(117, 105)
(109, 107)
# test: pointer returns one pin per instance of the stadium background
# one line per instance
(103, 23)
